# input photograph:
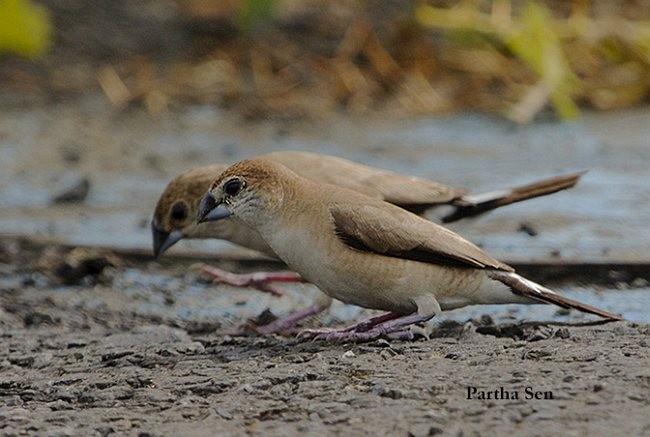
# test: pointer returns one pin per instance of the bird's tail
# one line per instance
(471, 205)
(526, 288)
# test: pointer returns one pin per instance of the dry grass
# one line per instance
(312, 58)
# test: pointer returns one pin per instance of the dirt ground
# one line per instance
(104, 351)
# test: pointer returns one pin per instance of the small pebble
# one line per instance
(75, 194)
(527, 229)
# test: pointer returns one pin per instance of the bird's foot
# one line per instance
(258, 280)
(362, 326)
(367, 324)
(391, 325)
(289, 321)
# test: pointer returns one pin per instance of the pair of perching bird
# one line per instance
(348, 229)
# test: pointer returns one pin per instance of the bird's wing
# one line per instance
(388, 230)
(405, 191)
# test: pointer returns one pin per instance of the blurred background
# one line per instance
(103, 102)
(291, 59)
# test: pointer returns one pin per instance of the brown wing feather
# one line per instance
(388, 230)
(381, 184)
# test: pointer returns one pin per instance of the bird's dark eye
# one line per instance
(179, 211)
(232, 187)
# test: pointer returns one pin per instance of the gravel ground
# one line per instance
(104, 351)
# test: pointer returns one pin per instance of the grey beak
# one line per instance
(210, 210)
(164, 240)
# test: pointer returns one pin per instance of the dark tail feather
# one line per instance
(523, 287)
(471, 205)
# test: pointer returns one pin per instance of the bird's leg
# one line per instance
(289, 321)
(366, 324)
(361, 326)
(392, 327)
(258, 280)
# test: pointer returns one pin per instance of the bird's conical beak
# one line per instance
(163, 240)
(210, 210)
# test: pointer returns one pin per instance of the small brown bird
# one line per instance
(367, 252)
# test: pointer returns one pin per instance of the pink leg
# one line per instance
(365, 325)
(259, 280)
(392, 327)
(289, 321)
(361, 326)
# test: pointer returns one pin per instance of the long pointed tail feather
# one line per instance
(471, 205)
(524, 287)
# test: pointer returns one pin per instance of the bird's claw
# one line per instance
(390, 325)
(289, 321)
(263, 286)
(257, 280)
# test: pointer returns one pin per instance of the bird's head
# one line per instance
(175, 215)
(251, 190)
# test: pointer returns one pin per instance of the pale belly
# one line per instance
(376, 281)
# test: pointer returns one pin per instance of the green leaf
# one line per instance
(251, 12)
(539, 47)
(25, 28)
